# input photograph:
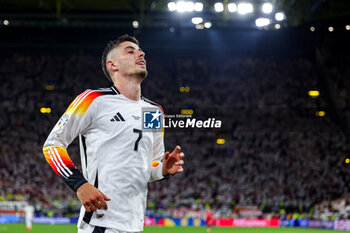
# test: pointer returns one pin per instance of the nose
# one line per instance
(141, 53)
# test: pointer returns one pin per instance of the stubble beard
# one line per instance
(141, 74)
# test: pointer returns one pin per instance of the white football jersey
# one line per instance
(29, 210)
(117, 156)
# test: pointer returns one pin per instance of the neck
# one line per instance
(130, 88)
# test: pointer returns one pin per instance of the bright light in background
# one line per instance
(312, 28)
(197, 20)
(199, 26)
(135, 24)
(198, 6)
(207, 24)
(219, 7)
(261, 22)
(267, 8)
(6, 22)
(50, 87)
(331, 29)
(185, 6)
(185, 89)
(347, 27)
(189, 6)
(181, 6)
(347, 160)
(277, 26)
(314, 93)
(320, 113)
(45, 110)
(172, 6)
(220, 141)
(279, 16)
(245, 8)
(232, 7)
(186, 111)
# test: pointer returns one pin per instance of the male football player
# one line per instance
(29, 213)
(209, 219)
(118, 157)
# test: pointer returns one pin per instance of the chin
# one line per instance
(142, 74)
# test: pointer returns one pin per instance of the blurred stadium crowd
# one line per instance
(278, 155)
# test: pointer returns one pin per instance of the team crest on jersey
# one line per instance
(152, 119)
(63, 121)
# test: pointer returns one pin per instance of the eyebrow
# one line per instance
(131, 47)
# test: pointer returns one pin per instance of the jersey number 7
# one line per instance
(138, 139)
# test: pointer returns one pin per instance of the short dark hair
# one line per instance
(111, 45)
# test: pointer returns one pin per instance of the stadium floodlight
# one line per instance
(6, 22)
(331, 29)
(207, 24)
(199, 26)
(45, 110)
(197, 20)
(279, 16)
(181, 6)
(172, 6)
(245, 8)
(232, 7)
(347, 27)
(314, 93)
(135, 24)
(267, 8)
(189, 6)
(220, 141)
(320, 113)
(198, 6)
(312, 28)
(262, 22)
(219, 7)
(277, 26)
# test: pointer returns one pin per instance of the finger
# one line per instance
(181, 155)
(96, 204)
(92, 207)
(166, 155)
(87, 208)
(180, 170)
(105, 197)
(103, 203)
(181, 162)
(176, 150)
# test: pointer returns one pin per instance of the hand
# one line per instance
(172, 163)
(92, 198)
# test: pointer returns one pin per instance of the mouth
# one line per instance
(141, 62)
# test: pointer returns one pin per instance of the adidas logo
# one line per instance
(118, 117)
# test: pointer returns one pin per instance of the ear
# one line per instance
(111, 66)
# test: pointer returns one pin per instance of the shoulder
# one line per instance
(85, 99)
(149, 101)
(90, 94)
(152, 103)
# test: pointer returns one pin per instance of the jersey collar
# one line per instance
(115, 90)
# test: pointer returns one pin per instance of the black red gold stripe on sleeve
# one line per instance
(58, 159)
(81, 104)
(63, 166)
